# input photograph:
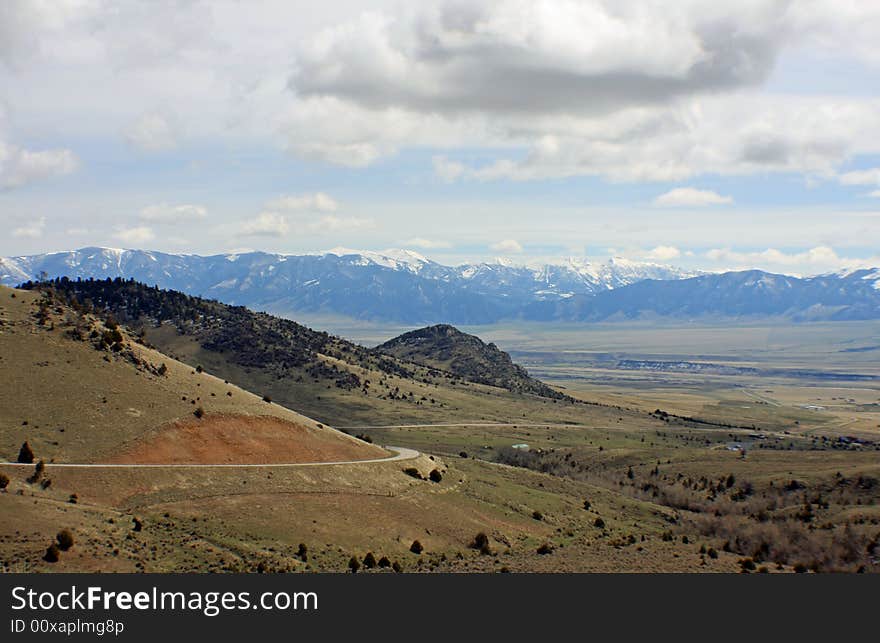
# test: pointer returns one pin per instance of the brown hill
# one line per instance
(448, 349)
(79, 390)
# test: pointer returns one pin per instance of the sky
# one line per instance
(710, 135)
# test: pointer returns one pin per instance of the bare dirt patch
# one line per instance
(241, 439)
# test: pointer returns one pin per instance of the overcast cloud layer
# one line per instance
(702, 133)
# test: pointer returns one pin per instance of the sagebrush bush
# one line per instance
(52, 554)
(65, 539)
(26, 454)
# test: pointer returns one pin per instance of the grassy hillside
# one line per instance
(325, 377)
(78, 391)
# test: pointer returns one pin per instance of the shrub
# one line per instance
(479, 540)
(199, 368)
(354, 565)
(73, 499)
(481, 543)
(65, 539)
(52, 554)
(162, 369)
(587, 505)
(598, 523)
(199, 412)
(4, 481)
(712, 553)
(463, 454)
(416, 547)
(435, 475)
(369, 560)
(396, 567)
(303, 552)
(412, 472)
(267, 398)
(384, 562)
(747, 564)
(38, 472)
(537, 515)
(26, 454)
(545, 549)
(800, 568)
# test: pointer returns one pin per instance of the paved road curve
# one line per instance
(402, 454)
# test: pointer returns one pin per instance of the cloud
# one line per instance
(447, 170)
(691, 197)
(331, 223)
(874, 194)
(426, 244)
(511, 56)
(19, 166)
(32, 230)
(507, 246)
(810, 261)
(152, 133)
(266, 224)
(861, 177)
(315, 202)
(163, 213)
(627, 91)
(663, 253)
(134, 236)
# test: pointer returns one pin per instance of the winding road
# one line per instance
(403, 453)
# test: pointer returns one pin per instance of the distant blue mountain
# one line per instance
(403, 286)
(740, 295)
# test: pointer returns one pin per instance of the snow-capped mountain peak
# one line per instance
(404, 286)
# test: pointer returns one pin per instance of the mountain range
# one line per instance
(406, 287)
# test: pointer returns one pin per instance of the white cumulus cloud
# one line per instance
(315, 202)
(447, 170)
(164, 213)
(266, 224)
(134, 236)
(811, 261)
(691, 197)
(663, 253)
(332, 223)
(861, 177)
(32, 230)
(152, 133)
(507, 246)
(19, 166)
(426, 244)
